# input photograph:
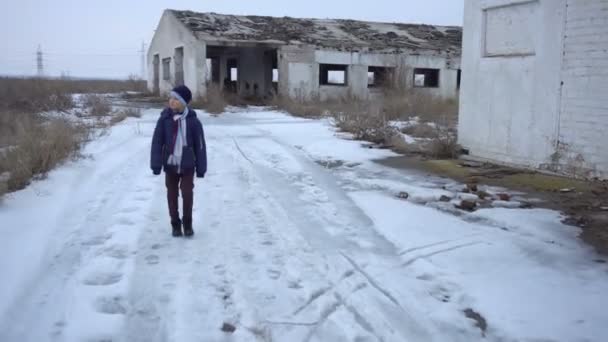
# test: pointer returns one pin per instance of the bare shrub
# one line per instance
(98, 105)
(136, 83)
(399, 145)
(365, 121)
(118, 118)
(122, 115)
(39, 146)
(420, 131)
(444, 145)
(132, 112)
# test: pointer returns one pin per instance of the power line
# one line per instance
(40, 62)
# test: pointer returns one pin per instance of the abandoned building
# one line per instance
(257, 56)
(535, 84)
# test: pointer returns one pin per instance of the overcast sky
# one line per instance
(103, 38)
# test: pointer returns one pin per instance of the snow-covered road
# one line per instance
(300, 237)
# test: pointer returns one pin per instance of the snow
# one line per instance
(300, 236)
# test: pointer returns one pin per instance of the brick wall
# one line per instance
(583, 124)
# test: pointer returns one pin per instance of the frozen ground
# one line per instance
(300, 237)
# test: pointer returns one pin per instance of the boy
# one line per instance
(178, 147)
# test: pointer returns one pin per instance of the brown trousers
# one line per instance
(174, 183)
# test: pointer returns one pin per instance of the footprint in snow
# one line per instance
(274, 274)
(246, 256)
(117, 252)
(129, 210)
(110, 305)
(441, 294)
(169, 286)
(125, 221)
(219, 270)
(152, 259)
(96, 241)
(102, 279)
(295, 284)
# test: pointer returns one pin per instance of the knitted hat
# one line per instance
(182, 94)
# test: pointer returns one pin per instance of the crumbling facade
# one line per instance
(302, 58)
(535, 84)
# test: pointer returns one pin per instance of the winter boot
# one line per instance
(188, 232)
(177, 228)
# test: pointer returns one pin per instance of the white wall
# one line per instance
(299, 70)
(171, 34)
(534, 86)
(510, 88)
(583, 124)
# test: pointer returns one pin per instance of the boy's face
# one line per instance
(175, 105)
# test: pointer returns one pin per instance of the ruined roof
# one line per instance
(335, 34)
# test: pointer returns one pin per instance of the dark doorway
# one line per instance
(156, 64)
(179, 66)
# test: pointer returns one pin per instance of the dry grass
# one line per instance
(300, 109)
(37, 147)
(420, 131)
(404, 104)
(368, 119)
(300, 106)
(31, 146)
(33, 95)
(215, 102)
(4, 184)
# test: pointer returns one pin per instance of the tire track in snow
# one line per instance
(298, 209)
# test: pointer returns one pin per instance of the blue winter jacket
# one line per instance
(194, 156)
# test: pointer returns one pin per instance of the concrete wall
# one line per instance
(171, 34)
(534, 84)
(448, 74)
(299, 72)
(510, 88)
(583, 124)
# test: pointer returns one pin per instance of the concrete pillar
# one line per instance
(223, 65)
(283, 74)
(357, 81)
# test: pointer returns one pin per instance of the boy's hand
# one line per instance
(156, 172)
(200, 175)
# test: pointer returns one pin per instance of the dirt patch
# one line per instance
(585, 203)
